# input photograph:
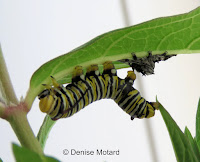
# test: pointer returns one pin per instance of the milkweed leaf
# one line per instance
(23, 154)
(192, 142)
(198, 125)
(181, 144)
(175, 34)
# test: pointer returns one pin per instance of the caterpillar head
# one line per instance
(46, 101)
(47, 97)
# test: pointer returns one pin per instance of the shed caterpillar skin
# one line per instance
(146, 65)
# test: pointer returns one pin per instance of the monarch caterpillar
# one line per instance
(146, 65)
(61, 102)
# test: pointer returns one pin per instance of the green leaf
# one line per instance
(182, 147)
(192, 142)
(198, 125)
(44, 130)
(1, 160)
(23, 154)
(175, 34)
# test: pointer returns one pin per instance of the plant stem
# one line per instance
(2, 109)
(6, 82)
(16, 115)
(18, 121)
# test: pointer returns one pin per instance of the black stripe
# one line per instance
(110, 82)
(133, 97)
(139, 108)
(82, 94)
(90, 87)
(119, 90)
(99, 94)
(130, 106)
(74, 96)
(68, 99)
(43, 94)
(103, 87)
(59, 96)
(111, 86)
(147, 112)
(55, 106)
(124, 92)
(77, 100)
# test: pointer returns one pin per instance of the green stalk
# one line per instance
(6, 87)
(16, 115)
(18, 121)
(2, 109)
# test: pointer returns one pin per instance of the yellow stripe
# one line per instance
(133, 107)
(130, 95)
(115, 86)
(55, 112)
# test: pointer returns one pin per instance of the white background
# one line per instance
(33, 32)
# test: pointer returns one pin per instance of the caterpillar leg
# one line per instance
(54, 82)
(155, 105)
(93, 70)
(130, 78)
(111, 80)
(77, 74)
(131, 75)
(109, 68)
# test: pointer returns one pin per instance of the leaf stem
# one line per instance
(44, 130)
(29, 98)
(6, 87)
